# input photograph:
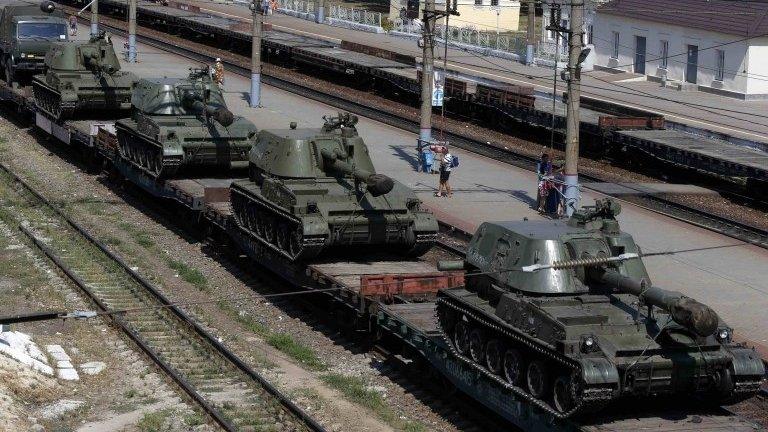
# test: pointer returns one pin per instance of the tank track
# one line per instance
(147, 156)
(259, 220)
(50, 102)
(589, 400)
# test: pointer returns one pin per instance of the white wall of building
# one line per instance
(503, 15)
(679, 38)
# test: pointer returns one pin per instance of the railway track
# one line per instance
(231, 393)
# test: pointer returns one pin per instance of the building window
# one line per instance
(494, 2)
(719, 64)
(615, 53)
(478, 2)
(590, 34)
(664, 53)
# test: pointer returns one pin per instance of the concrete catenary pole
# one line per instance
(258, 15)
(95, 18)
(531, 37)
(132, 31)
(320, 12)
(574, 93)
(428, 60)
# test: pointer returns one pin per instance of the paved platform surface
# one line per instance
(747, 119)
(729, 276)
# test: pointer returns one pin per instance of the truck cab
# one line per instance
(27, 31)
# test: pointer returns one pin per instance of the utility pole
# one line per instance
(427, 71)
(320, 12)
(258, 14)
(576, 56)
(531, 38)
(132, 31)
(95, 18)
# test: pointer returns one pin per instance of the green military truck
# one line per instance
(27, 30)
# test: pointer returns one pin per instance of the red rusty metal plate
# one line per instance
(389, 285)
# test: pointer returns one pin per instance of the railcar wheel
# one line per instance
(537, 379)
(563, 394)
(494, 359)
(477, 345)
(461, 337)
(513, 366)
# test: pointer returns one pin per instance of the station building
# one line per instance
(715, 46)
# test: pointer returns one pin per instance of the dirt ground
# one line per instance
(346, 390)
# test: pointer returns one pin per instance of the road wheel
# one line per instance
(461, 337)
(537, 379)
(477, 345)
(494, 358)
(563, 394)
(513, 366)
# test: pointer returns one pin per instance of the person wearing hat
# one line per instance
(218, 72)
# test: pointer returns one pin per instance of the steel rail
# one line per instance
(209, 339)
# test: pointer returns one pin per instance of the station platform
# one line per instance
(721, 272)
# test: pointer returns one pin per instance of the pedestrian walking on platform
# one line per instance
(218, 73)
(446, 164)
(73, 25)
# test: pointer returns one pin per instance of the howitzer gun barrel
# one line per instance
(222, 115)
(377, 184)
(689, 313)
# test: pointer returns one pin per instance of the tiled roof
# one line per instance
(742, 18)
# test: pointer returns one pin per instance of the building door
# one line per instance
(692, 66)
(640, 55)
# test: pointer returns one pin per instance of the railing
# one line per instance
(512, 43)
(361, 16)
(300, 6)
(546, 50)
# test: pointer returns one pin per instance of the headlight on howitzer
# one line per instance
(724, 335)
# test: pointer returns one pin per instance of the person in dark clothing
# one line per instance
(543, 170)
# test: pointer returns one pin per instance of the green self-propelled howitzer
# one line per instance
(564, 315)
(311, 190)
(83, 79)
(183, 124)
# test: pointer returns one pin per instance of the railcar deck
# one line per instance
(696, 152)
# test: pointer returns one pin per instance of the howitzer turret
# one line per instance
(183, 123)
(311, 190)
(566, 315)
(83, 78)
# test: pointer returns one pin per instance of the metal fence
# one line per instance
(300, 6)
(513, 43)
(546, 50)
(361, 16)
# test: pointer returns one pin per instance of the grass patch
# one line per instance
(154, 421)
(194, 419)
(143, 240)
(112, 241)
(281, 341)
(301, 353)
(357, 391)
(188, 274)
